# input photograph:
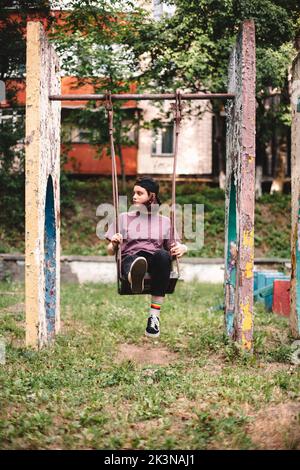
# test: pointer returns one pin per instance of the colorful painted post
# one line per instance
(240, 189)
(42, 258)
(295, 235)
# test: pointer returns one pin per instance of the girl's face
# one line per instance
(140, 196)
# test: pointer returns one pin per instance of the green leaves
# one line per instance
(272, 66)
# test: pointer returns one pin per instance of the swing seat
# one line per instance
(125, 289)
(123, 284)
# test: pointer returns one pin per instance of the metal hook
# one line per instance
(109, 108)
(177, 109)
(108, 102)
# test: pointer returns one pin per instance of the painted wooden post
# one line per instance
(240, 190)
(42, 257)
(295, 235)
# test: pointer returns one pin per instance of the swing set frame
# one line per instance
(42, 162)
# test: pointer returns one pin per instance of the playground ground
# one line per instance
(104, 385)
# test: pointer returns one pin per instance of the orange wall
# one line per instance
(19, 87)
(69, 86)
(83, 159)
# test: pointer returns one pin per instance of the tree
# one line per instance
(12, 33)
(92, 42)
(12, 67)
(191, 50)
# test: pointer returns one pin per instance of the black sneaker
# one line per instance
(152, 326)
(136, 275)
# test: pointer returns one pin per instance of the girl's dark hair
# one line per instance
(150, 185)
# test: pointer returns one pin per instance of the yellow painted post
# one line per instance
(42, 252)
(240, 190)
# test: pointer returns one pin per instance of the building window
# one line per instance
(13, 119)
(163, 141)
(77, 135)
(11, 115)
(78, 131)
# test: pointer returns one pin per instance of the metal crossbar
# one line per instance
(147, 96)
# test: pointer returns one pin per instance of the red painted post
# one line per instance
(295, 235)
(240, 190)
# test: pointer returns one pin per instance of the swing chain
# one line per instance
(177, 108)
(109, 108)
(177, 116)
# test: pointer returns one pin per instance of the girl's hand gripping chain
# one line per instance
(178, 249)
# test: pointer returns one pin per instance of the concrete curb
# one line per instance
(102, 269)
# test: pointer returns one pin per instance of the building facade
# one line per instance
(151, 150)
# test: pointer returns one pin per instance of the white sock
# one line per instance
(155, 309)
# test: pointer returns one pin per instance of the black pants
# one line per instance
(159, 266)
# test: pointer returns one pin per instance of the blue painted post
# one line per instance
(230, 280)
(50, 260)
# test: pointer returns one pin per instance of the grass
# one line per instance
(189, 389)
(82, 197)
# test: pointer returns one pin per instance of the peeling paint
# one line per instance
(247, 326)
(246, 344)
(246, 317)
(248, 238)
(295, 173)
(42, 158)
(249, 270)
(240, 156)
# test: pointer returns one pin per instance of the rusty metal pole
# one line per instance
(295, 235)
(240, 190)
(147, 96)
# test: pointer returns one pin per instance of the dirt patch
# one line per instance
(185, 409)
(146, 354)
(70, 322)
(144, 428)
(276, 427)
(177, 416)
(15, 308)
(275, 367)
(17, 292)
(214, 365)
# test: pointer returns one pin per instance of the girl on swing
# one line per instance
(146, 247)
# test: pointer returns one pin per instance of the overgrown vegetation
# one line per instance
(189, 49)
(12, 122)
(190, 389)
(80, 199)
